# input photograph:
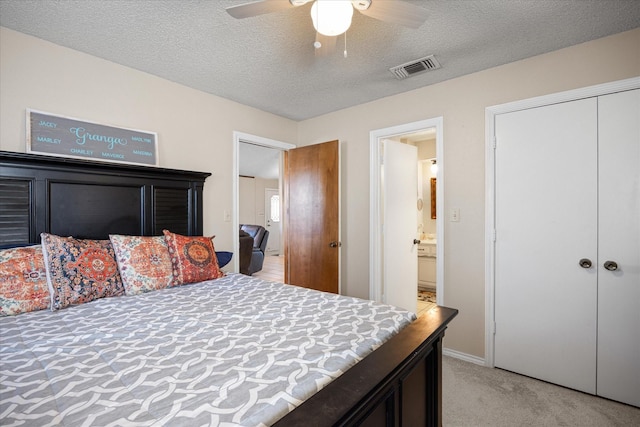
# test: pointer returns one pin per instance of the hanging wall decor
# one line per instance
(68, 137)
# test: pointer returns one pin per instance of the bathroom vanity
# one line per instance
(427, 264)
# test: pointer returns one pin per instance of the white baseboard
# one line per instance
(464, 356)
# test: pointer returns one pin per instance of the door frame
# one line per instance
(375, 214)
(490, 174)
(239, 137)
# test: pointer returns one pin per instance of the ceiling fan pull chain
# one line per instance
(345, 44)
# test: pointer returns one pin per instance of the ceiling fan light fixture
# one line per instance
(331, 17)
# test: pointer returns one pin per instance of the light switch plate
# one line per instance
(454, 215)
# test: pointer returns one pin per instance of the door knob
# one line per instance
(611, 265)
(416, 241)
(335, 244)
(585, 263)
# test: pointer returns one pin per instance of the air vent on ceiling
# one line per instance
(421, 65)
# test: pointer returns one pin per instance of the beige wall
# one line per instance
(195, 129)
(247, 200)
(251, 193)
(195, 132)
(461, 102)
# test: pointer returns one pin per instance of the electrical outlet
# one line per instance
(454, 215)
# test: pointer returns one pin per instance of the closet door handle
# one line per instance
(611, 265)
(416, 241)
(585, 263)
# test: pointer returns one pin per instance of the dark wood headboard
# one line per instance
(91, 200)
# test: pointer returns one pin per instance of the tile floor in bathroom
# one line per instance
(426, 301)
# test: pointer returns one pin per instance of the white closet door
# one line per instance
(400, 225)
(619, 241)
(546, 222)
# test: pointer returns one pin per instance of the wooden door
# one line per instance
(400, 224)
(546, 222)
(312, 227)
(619, 241)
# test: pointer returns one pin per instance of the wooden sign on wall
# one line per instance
(68, 137)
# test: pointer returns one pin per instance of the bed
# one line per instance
(206, 352)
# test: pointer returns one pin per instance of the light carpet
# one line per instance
(475, 395)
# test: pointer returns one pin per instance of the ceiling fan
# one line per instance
(333, 17)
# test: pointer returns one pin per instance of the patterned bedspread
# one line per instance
(234, 351)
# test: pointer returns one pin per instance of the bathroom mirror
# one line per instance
(433, 198)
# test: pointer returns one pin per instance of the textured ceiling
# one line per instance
(258, 161)
(268, 61)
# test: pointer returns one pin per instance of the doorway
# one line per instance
(312, 169)
(240, 138)
(377, 259)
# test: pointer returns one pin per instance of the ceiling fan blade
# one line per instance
(248, 10)
(397, 12)
(327, 44)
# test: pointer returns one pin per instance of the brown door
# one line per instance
(311, 188)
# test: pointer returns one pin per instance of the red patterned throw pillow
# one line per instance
(193, 258)
(143, 261)
(79, 270)
(23, 281)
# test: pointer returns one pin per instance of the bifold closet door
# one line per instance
(546, 223)
(619, 242)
